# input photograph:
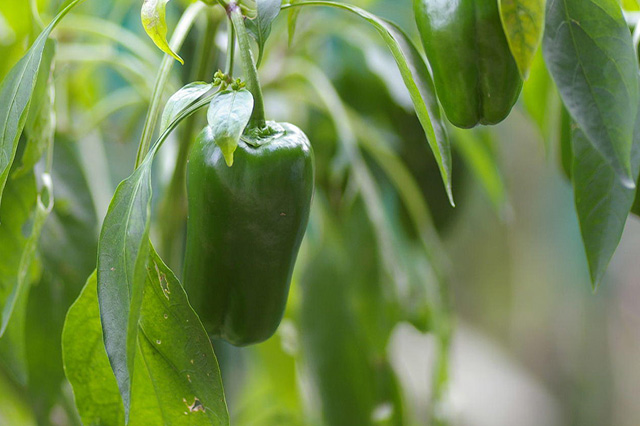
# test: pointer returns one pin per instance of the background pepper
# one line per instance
(244, 231)
(476, 77)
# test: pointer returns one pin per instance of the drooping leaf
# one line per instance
(154, 21)
(602, 202)
(123, 250)
(523, 22)
(260, 27)
(16, 91)
(589, 52)
(180, 100)
(228, 115)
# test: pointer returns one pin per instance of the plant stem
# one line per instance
(231, 49)
(179, 35)
(249, 65)
(173, 208)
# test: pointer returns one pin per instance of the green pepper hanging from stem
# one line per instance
(246, 221)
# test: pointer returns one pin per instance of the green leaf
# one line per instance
(22, 215)
(177, 353)
(589, 52)
(86, 364)
(176, 378)
(13, 348)
(602, 202)
(181, 100)
(417, 78)
(260, 26)
(123, 250)
(523, 22)
(228, 115)
(154, 21)
(16, 91)
(565, 136)
(41, 121)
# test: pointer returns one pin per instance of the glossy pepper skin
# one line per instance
(476, 76)
(244, 230)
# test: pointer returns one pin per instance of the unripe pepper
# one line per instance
(476, 76)
(245, 227)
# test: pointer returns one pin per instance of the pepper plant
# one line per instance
(120, 307)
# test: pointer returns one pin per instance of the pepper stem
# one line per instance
(249, 65)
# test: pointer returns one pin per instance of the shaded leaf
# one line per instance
(260, 26)
(602, 202)
(228, 115)
(154, 21)
(523, 22)
(589, 52)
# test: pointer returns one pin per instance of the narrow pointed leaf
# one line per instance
(122, 255)
(602, 201)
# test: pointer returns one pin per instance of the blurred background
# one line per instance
(394, 288)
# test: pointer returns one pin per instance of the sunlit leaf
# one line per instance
(154, 21)
(523, 22)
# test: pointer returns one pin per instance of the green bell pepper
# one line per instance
(245, 227)
(476, 76)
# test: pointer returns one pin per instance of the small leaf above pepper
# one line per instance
(228, 115)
